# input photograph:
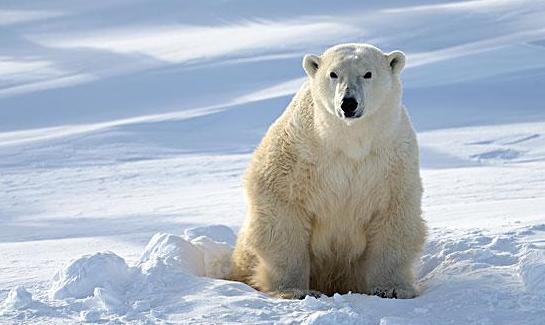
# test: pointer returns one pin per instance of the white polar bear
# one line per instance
(333, 190)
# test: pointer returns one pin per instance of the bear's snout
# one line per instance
(349, 106)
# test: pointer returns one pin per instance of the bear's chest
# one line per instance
(344, 195)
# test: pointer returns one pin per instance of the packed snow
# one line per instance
(126, 127)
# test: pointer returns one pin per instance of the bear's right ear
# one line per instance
(396, 60)
(310, 64)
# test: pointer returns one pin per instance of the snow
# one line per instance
(126, 127)
(196, 255)
(89, 272)
(18, 298)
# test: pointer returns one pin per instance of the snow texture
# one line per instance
(126, 127)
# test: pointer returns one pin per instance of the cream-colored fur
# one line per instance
(334, 203)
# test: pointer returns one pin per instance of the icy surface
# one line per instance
(126, 127)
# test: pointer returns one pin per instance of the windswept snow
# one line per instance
(126, 127)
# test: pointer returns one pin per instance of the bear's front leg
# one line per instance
(280, 238)
(395, 240)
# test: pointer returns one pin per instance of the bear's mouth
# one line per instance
(355, 117)
(349, 115)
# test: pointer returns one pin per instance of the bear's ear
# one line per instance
(310, 64)
(396, 60)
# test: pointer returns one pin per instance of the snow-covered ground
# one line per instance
(125, 128)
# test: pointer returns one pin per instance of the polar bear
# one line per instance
(333, 191)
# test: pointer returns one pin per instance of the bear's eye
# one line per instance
(333, 75)
(368, 75)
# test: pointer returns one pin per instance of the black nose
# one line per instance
(349, 106)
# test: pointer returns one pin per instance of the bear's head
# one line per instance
(353, 81)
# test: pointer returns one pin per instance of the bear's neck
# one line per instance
(358, 139)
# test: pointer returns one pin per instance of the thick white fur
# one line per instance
(334, 204)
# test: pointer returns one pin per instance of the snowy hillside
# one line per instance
(125, 128)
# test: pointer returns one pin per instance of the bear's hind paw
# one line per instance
(395, 293)
(296, 294)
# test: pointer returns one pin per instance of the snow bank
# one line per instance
(103, 283)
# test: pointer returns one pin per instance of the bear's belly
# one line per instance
(338, 241)
(336, 253)
(345, 196)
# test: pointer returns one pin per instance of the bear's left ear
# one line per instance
(310, 64)
(396, 60)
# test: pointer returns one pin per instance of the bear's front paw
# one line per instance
(296, 294)
(406, 292)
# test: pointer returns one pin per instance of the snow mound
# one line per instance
(532, 269)
(173, 251)
(18, 298)
(200, 256)
(103, 275)
(216, 256)
(82, 276)
(218, 233)
(104, 299)
(102, 284)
